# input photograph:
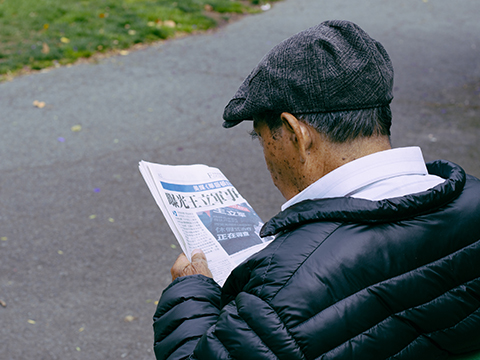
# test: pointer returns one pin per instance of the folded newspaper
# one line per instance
(205, 211)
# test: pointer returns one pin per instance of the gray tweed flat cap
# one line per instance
(333, 66)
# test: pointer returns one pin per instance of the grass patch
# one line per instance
(35, 34)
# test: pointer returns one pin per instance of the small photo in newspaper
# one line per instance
(235, 227)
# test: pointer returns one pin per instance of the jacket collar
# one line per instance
(354, 210)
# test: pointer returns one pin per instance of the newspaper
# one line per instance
(205, 211)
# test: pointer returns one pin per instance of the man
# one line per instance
(376, 255)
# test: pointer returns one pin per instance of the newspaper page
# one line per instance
(205, 211)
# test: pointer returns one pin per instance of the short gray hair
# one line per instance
(341, 126)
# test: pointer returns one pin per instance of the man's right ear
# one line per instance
(289, 122)
(298, 131)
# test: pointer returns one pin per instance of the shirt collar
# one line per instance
(362, 172)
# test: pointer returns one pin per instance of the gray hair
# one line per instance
(341, 126)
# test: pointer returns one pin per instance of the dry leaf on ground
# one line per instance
(45, 48)
(39, 104)
(169, 23)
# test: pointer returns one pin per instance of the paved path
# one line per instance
(83, 246)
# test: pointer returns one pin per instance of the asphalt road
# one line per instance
(84, 250)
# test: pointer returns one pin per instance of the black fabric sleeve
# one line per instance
(187, 308)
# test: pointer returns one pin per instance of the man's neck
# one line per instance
(339, 154)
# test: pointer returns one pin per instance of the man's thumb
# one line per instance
(198, 255)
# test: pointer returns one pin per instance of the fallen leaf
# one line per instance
(64, 40)
(45, 48)
(111, 220)
(173, 246)
(81, 329)
(169, 23)
(208, 7)
(91, 217)
(124, 52)
(4, 238)
(76, 128)
(3, 303)
(129, 318)
(39, 104)
(60, 252)
(77, 348)
(33, 322)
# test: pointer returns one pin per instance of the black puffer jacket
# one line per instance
(345, 279)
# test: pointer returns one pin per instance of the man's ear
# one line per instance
(298, 131)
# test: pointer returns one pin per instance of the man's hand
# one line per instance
(183, 267)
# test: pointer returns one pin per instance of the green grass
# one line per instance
(35, 34)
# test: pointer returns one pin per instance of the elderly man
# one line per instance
(376, 255)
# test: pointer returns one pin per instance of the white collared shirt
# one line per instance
(382, 175)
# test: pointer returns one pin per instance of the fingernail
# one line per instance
(197, 251)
